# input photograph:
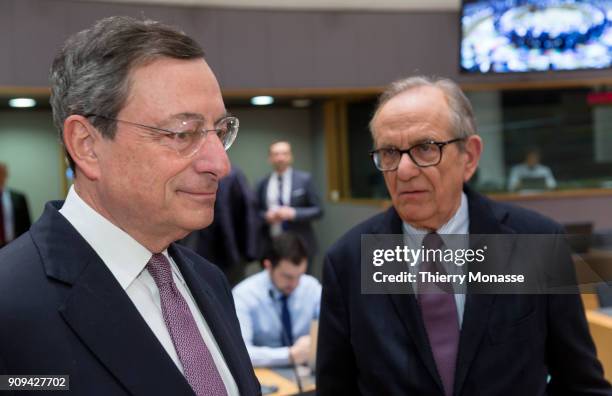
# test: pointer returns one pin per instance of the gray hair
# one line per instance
(91, 73)
(462, 119)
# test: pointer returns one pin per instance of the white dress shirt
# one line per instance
(127, 260)
(272, 195)
(458, 224)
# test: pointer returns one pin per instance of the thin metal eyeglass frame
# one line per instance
(407, 151)
(167, 131)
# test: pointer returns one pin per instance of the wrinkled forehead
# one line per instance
(407, 126)
(174, 88)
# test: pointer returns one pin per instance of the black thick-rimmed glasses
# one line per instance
(187, 136)
(423, 154)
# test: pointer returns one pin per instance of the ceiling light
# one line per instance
(262, 100)
(22, 102)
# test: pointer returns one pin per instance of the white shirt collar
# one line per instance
(125, 257)
(285, 175)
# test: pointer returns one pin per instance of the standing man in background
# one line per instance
(98, 290)
(14, 212)
(444, 344)
(276, 306)
(287, 199)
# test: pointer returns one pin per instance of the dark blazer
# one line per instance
(21, 213)
(233, 238)
(509, 344)
(305, 201)
(63, 312)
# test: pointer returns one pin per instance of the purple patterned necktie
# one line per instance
(439, 312)
(198, 364)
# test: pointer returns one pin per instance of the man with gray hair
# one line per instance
(426, 343)
(97, 289)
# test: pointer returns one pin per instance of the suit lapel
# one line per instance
(478, 307)
(262, 193)
(407, 307)
(294, 187)
(101, 314)
(209, 306)
(409, 313)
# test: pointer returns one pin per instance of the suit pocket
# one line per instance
(299, 197)
(513, 331)
(298, 192)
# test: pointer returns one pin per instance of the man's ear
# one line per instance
(472, 151)
(267, 264)
(81, 140)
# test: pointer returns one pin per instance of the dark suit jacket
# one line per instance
(63, 312)
(509, 344)
(305, 201)
(21, 214)
(234, 236)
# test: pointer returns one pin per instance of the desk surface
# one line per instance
(600, 325)
(267, 376)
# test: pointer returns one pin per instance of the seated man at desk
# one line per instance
(531, 174)
(276, 306)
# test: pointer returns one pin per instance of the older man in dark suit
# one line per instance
(287, 199)
(444, 343)
(97, 289)
(14, 212)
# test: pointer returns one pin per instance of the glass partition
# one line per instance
(535, 141)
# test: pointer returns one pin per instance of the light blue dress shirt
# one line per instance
(258, 307)
(458, 224)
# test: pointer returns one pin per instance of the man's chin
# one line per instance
(197, 221)
(412, 214)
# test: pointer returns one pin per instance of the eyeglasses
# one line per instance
(423, 155)
(187, 136)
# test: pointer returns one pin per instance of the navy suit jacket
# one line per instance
(21, 213)
(509, 344)
(233, 238)
(63, 312)
(305, 201)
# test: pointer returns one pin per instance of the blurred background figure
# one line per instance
(277, 306)
(233, 239)
(287, 199)
(531, 174)
(14, 212)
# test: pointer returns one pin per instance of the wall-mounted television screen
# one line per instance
(501, 36)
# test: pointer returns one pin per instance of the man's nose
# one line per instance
(212, 157)
(407, 169)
